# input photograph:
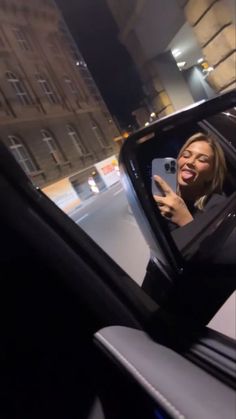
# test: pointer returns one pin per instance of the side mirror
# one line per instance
(204, 242)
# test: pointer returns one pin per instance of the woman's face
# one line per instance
(195, 166)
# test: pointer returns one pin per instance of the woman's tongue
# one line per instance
(187, 175)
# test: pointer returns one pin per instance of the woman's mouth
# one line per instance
(187, 174)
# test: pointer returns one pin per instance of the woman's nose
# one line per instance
(191, 161)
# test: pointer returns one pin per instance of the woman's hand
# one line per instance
(171, 205)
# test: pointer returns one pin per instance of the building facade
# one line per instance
(52, 116)
(205, 29)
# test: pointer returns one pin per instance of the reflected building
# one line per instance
(52, 116)
(184, 50)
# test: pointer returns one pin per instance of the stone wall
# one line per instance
(213, 22)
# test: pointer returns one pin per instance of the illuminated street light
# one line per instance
(153, 115)
(200, 60)
(176, 52)
(181, 64)
(208, 69)
(146, 124)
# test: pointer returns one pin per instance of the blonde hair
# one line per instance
(219, 167)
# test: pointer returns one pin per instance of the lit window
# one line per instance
(52, 146)
(80, 147)
(47, 89)
(22, 39)
(99, 134)
(21, 154)
(19, 89)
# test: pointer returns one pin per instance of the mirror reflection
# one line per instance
(191, 184)
(189, 171)
(184, 179)
(183, 195)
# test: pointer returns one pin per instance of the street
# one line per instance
(107, 219)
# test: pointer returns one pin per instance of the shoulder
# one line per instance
(215, 200)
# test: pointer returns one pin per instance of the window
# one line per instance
(47, 89)
(91, 86)
(22, 39)
(80, 147)
(52, 146)
(99, 134)
(71, 86)
(21, 154)
(19, 89)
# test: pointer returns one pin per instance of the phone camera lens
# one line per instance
(172, 163)
(167, 167)
(172, 169)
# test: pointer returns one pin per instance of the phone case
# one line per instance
(166, 168)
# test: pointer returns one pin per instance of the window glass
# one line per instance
(71, 85)
(73, 134)
(47, 89)
(52, 146)
(22, 40)
(19, 89)
(101, 71)
(98, 133)
(21, 154)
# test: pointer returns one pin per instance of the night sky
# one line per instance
(96, 34)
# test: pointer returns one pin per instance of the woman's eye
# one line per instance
(185, 154)
(203, 159)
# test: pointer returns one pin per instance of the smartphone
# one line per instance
(166, 168)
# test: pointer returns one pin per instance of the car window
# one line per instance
(225, 123)
(224, 320)
(205, 235)
(64, 118)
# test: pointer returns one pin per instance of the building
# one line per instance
(52, 116)
(196, 37)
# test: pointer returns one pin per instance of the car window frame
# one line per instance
(170, 260)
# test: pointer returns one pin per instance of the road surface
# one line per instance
(107, 219)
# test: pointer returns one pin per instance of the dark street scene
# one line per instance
(118, 208)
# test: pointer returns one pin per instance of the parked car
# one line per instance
(80, 339)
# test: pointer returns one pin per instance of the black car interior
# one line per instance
(79, 339)
(54, 297)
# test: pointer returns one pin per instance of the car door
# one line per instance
(58, 289)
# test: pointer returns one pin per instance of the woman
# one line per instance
(201, 170)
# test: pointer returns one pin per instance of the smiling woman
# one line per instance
(201, 170)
